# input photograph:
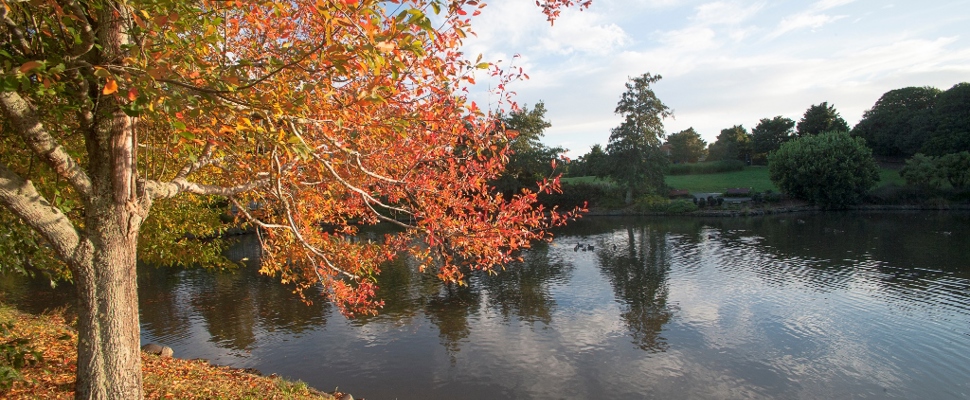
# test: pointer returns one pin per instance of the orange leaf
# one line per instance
(110, 87)
(29, 65)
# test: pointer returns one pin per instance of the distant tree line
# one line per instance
(926, 126)
(912, 120)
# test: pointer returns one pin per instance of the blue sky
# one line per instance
(723, 62)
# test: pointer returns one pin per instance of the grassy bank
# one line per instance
(164, 378)
(755, 177)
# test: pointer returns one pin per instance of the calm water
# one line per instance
(785, 307)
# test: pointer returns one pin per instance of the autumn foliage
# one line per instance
(129, 126)
(311, 118)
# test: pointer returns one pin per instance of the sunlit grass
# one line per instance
(755, 177)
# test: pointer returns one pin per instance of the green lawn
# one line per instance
(887, 176)
(755, 177)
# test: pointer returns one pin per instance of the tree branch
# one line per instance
(87, 33)
(295, 229)
(22, 198)
(18, 35)
(203, 160)
(166, 190)
(24, 120)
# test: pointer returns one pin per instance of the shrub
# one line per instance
(738, 192)
(930, 172)
(710, 167)
(575, 194)
(652, 203)
(831, 170)
(771, 197)
(681, 206)
(895, 194)
(956, 169)
(923, 171)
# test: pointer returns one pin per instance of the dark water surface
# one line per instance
(783, 307)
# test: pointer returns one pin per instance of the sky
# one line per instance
(723, 63)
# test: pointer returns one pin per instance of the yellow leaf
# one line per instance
(110, 87)
(385, 46)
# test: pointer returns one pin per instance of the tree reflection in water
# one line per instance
(522, 290)
(450, 310)
(236, 306)
(519, 293)
(637, 270)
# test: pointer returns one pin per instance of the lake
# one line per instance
(829, 305)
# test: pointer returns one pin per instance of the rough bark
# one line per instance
(109, 364)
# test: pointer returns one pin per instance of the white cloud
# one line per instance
(724, 62)
(803, 20)
(726, 13)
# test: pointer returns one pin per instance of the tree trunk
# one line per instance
(108, 359)
(108, 356)
(109, 363)
(628, 199)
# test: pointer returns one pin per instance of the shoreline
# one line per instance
(54, 338)
(763, 211)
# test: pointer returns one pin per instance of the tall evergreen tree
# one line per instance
(636, 161)
(530, 159)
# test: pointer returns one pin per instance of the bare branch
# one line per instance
(166, 190)
(24, 120)
(384, 218)
(87, 33)
(18, 35)
(366, 196)
(296, 230)
(204, 159)
(353, 153)
(251, 218)
(22, 198)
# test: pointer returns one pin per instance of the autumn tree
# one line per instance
(530, 160)
(636, 162)
(127, 124)
(732, 143)
(686, 146)
(821, 118)
(770, 134)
